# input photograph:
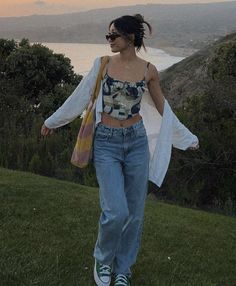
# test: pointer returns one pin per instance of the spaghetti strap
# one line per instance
(146, 70)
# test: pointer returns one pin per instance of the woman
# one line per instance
(121, 150)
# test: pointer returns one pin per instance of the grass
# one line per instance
(48, 229)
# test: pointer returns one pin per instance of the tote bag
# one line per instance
(82, 152)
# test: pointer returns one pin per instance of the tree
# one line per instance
(34, 82)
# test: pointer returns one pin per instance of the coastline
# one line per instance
(170, 50)
(177, 52)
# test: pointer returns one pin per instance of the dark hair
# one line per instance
(127, 25)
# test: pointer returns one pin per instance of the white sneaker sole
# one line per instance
(97, 280)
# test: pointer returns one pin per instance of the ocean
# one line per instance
(83, 55)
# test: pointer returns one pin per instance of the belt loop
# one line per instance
(123, 131)
(111, 132)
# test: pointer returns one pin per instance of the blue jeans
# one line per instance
(121, 159)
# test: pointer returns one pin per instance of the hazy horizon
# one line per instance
(18, 8)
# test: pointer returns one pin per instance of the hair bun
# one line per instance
(139, 17)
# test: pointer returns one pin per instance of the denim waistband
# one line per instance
(121, 130)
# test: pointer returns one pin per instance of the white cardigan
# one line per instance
(162, 131)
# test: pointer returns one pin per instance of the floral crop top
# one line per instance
(121, 99)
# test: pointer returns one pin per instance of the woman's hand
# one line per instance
(196, 147)
(46, 131)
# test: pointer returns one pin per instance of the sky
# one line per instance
(9, 8)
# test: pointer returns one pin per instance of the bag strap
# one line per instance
(104, 61)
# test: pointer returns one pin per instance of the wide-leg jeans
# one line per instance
(121, 159)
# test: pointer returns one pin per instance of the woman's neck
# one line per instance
(128, 55)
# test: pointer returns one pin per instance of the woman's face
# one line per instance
(118, 44)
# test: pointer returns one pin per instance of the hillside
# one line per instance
(185, 25)
(202, 92)
(210, 70)
(48, 230)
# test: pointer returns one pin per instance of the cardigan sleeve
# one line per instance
(182, 137)
(76, 103)
(172, 132)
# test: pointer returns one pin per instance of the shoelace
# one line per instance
(121, 280)
(105, 270)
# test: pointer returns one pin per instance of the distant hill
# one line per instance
(185, 25)
(212, 69)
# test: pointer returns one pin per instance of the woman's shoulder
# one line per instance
(151, 71)
(152, 68)
(147, 63)
(99, 59)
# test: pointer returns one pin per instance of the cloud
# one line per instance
(39, 3)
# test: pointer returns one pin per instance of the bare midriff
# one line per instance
(108, 120)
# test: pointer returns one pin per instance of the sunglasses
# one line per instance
(112, 36)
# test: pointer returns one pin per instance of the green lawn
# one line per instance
(48, 229)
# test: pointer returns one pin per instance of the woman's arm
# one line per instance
(155, 89)
(157, 95)
(75, 103)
